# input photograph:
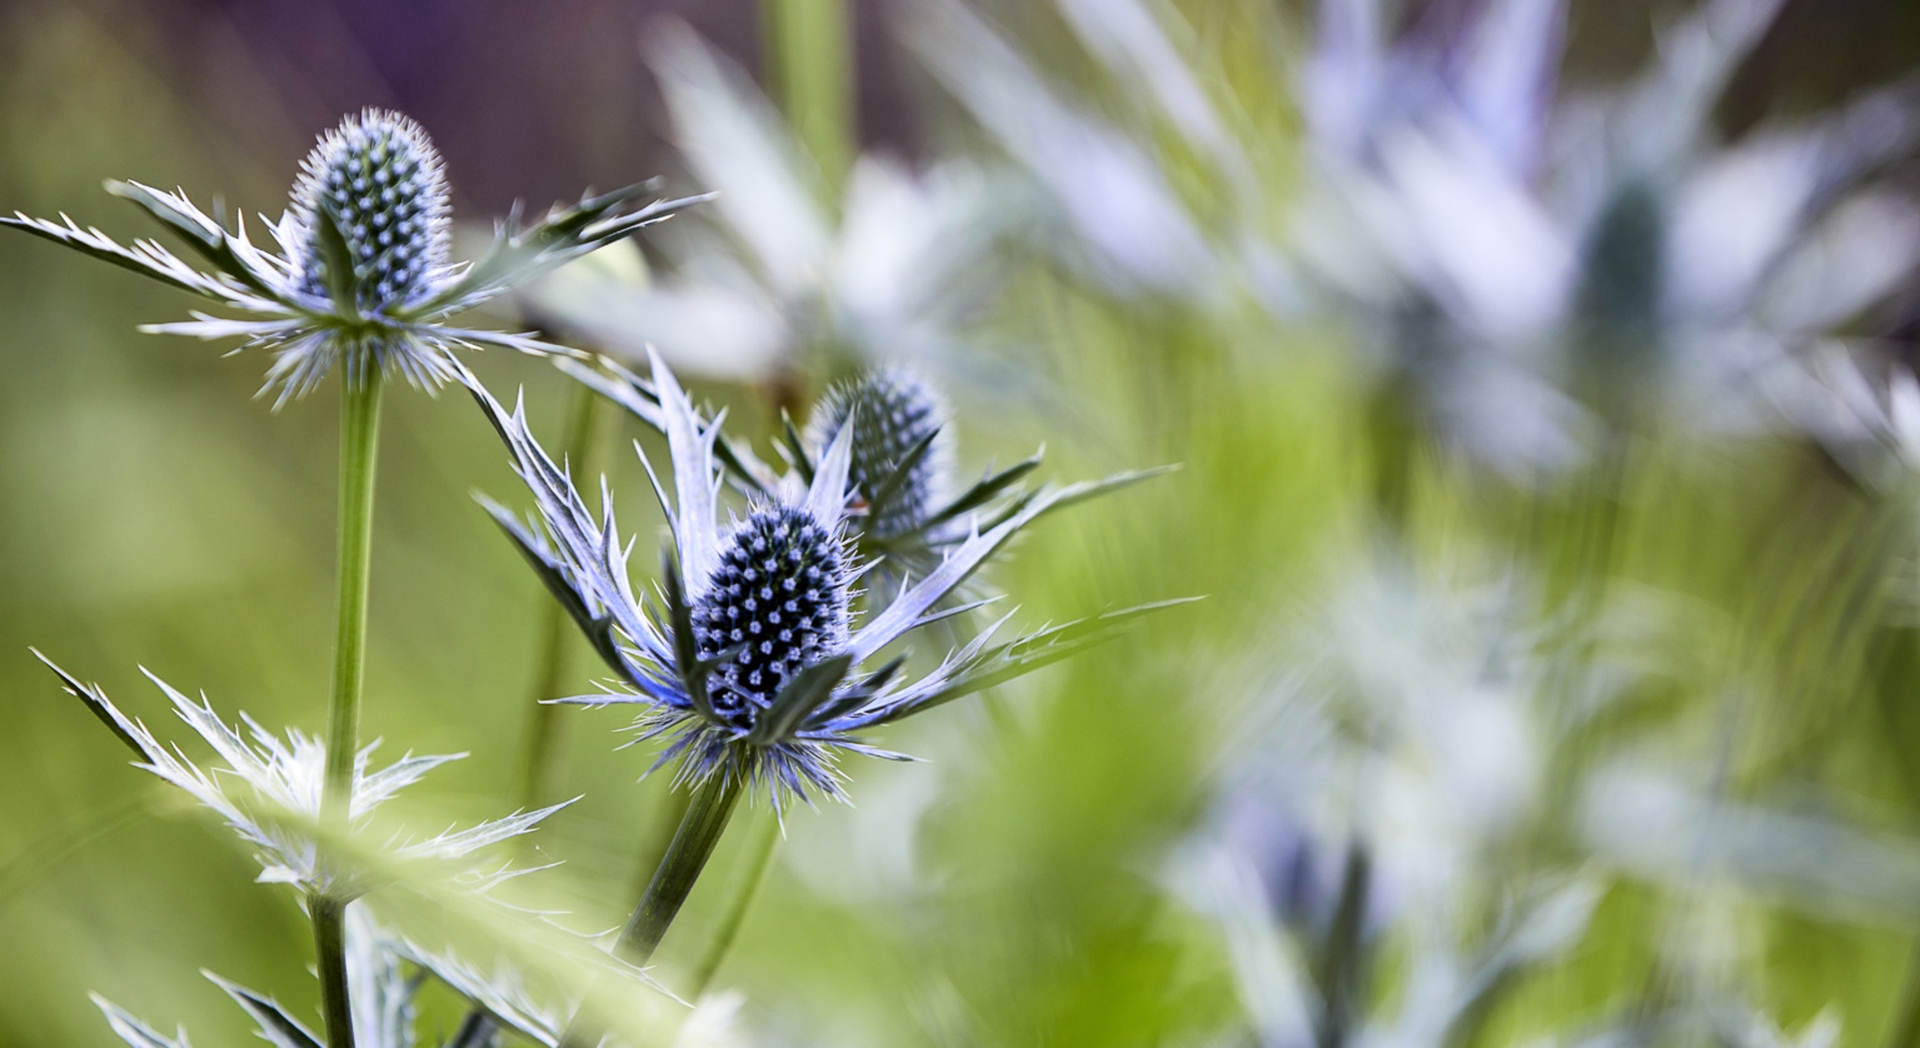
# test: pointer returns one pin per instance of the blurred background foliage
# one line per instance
(1402, 647)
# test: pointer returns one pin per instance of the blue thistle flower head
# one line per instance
(778, 600)
(361, 276)
(900, 452)
(381, 182)
(751, 664)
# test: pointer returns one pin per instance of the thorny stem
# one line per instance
(538, 767)
(753, 870)
(359, 441)
(693, 844)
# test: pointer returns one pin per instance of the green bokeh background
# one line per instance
(157, 515)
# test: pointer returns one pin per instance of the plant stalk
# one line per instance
(753, 870)
(359, 443)
(693, 844)
(1343, 962)
(809, 46)
(330, 946)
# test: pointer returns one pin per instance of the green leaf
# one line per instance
(276, 1026)
(131, 1030)
(1082, 491)
(96, 702)
(806, 692)
(336, 260)
(686, 652)
(987, 489)
(796, 447)
(1025, 654)
(599, 629)
(890, 488)
(516, 257)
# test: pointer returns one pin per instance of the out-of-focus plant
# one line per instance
(1505, 252)
(793, 276)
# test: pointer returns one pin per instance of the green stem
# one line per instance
(661, 826)
(752, 872)
(1906, 1022)
(539, 765)
(329, 944)
(1342, 963)
(810, 55)
(693, 844)
(359, 441)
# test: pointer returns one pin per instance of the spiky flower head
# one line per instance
(749, 667)
(381, 182)
(361, 278)
(900, 451)
(777, 601)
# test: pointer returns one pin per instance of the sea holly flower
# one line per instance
(750, 665)
(284, 779)
(899, 455)
(362, 276)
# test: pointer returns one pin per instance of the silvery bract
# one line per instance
(384, 998)
(284, 779)
(750, 665)
(362, 278)
(275, 814)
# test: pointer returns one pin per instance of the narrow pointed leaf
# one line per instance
(686, 651)
(987, 489)
(97, 704)
(890, 488)
(796, 447)
(1074, 494)
(276, 1026)
(133, 1031)
(336, 259)
(806, 692)
(1024, 655)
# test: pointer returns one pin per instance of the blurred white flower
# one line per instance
(778, 276)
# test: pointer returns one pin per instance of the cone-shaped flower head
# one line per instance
(380, 180)
(900, 456)
(750, 664)
(362, 277)
(778, 601)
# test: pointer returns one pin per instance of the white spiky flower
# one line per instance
(285, 779)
